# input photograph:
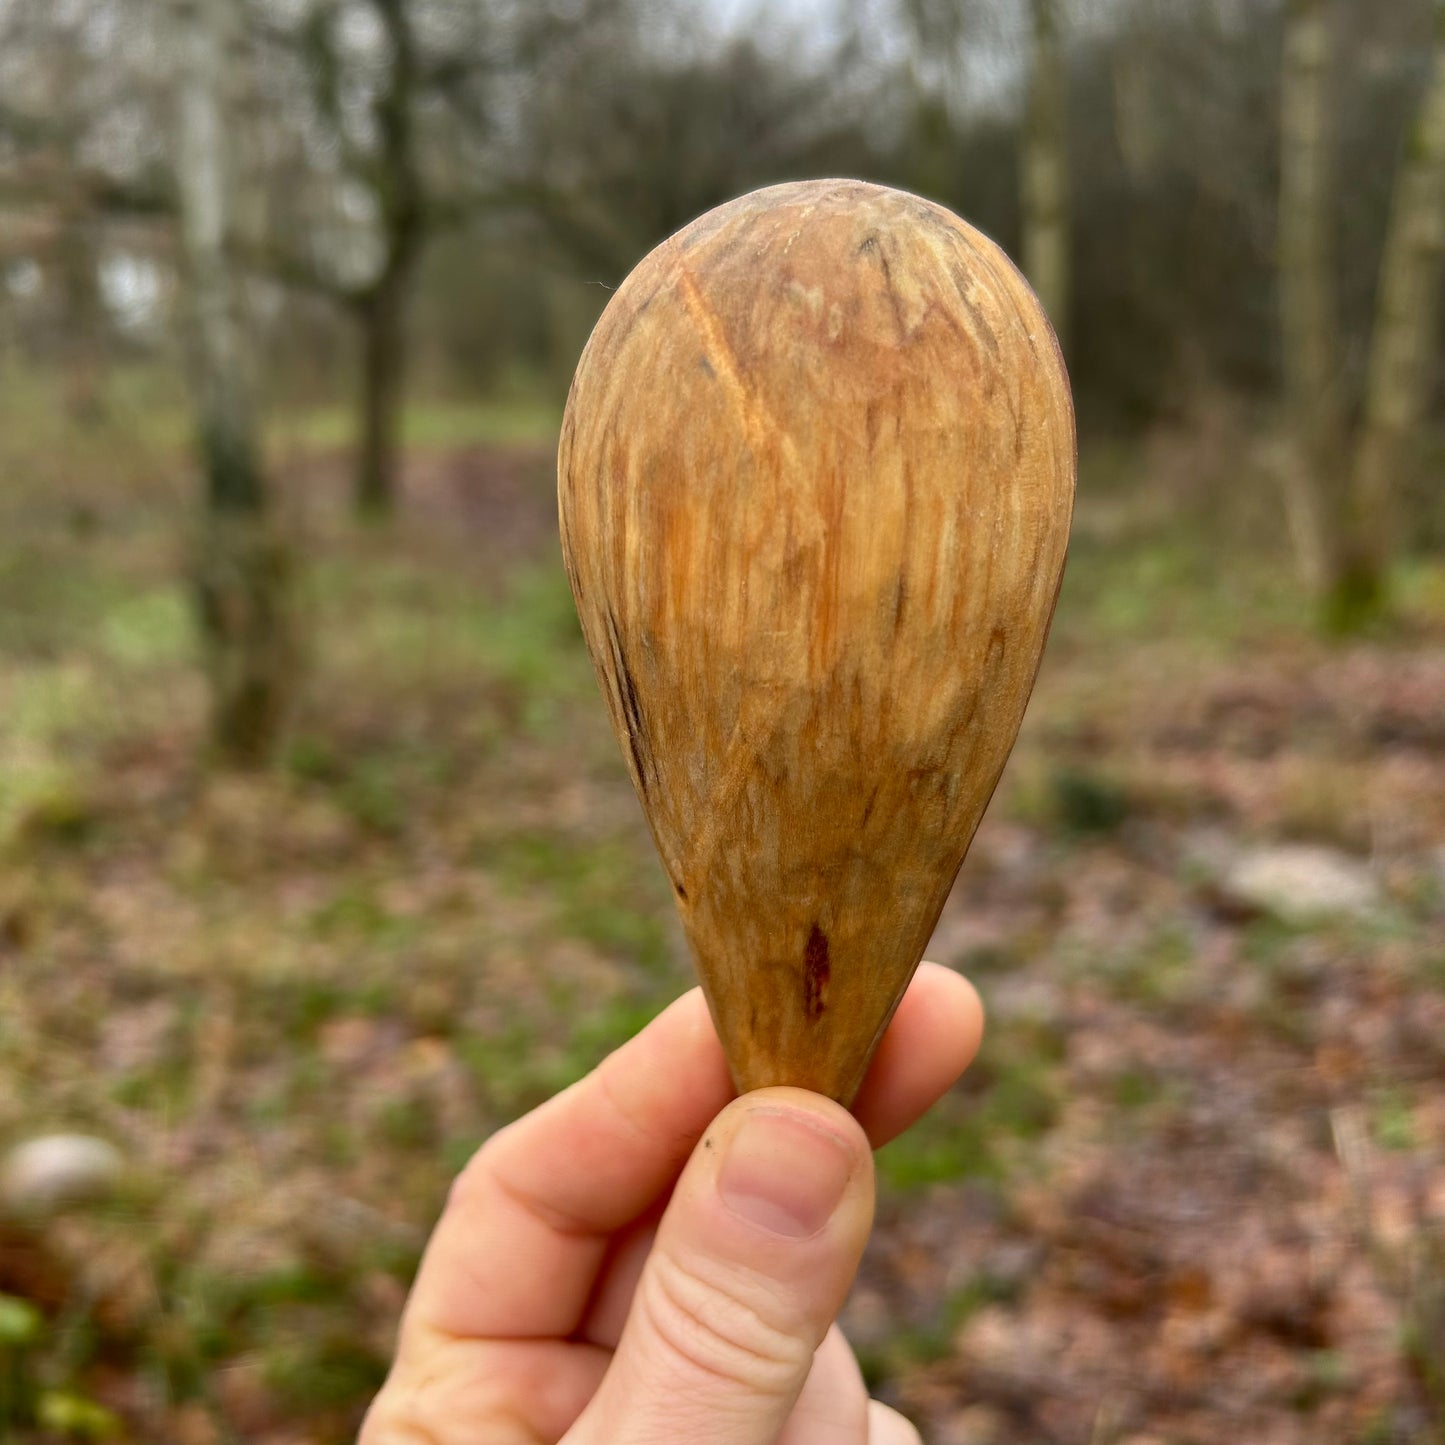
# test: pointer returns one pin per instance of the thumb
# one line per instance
(752, 1261)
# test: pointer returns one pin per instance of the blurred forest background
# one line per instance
(318, 861)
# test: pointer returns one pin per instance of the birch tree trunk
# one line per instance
(1044, 170)
(242, 569)
(1306, 287)
(1401, 344)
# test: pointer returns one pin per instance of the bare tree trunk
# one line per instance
(1401, 344)
(76, 252)
(242, 573)
(82, 355)
(382, 313)
(1044, 177)
(383, 306)
(1306, 287)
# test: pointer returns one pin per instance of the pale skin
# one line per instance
(647, 1259)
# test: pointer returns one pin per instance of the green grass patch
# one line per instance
(603, 892)
(519, 1067)
(1008, 1100)
(431, 425)
(1392, 1118)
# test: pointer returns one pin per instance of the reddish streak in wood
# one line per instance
(816, 972)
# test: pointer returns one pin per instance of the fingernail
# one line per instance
(783, 1173)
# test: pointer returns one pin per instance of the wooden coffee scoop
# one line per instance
(815, 481)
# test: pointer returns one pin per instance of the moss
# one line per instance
(1087, 803)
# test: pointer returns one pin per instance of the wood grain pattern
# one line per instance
(815, 482)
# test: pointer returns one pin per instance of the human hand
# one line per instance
(642, 1262)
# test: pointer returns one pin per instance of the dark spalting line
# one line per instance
(639, 763)
(933, 216)
(872, 801)
(962, 724)
(723, 249)
(631, 710)
(983, 332)
(624, 323)
(893, 300)
(626, 687)
(816, 973)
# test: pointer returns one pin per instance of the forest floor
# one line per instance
(1193, 1191)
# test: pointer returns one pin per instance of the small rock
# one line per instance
(43, 1174)
(1300, 884)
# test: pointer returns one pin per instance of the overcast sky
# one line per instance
(986, 74)
(740, 12)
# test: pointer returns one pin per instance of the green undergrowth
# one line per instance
(432, 425)
(982, 1129)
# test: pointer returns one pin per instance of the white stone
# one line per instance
(1299, 883)
(44, 1174)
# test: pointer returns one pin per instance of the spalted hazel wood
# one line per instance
(815, 481)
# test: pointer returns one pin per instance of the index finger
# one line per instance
(527, 1223)
(526, 1228)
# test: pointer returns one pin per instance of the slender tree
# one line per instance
(380, 306)
(242, 573)
(1044, 169)
(1340, 487)
(1306, 286)
(1402, 342)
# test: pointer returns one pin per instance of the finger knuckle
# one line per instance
(488, 1176)
(389, 1422)
(420, 1405)
(714, 1323)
